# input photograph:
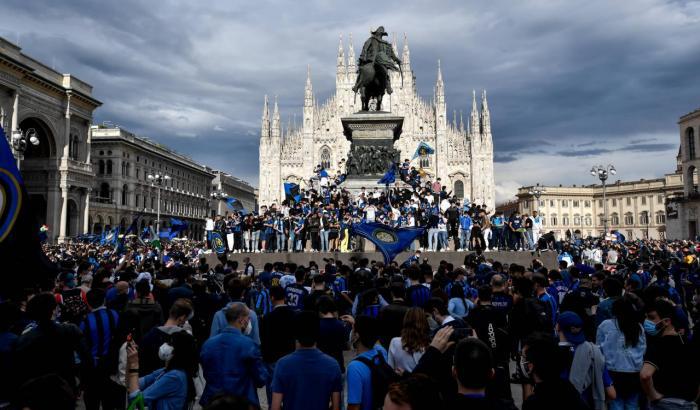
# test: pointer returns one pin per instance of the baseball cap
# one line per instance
(571, 325)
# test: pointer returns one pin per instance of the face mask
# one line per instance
(650, 328)
(165, 352)
(248, 329)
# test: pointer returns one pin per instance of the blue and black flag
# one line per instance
(291, 191)
(20, 248)
(390, 241)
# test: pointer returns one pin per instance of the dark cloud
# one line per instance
(607, 82)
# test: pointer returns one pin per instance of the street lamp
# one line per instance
(537, 193)
(19, 142)
(218, 195)
(602, 173)
(158, 180)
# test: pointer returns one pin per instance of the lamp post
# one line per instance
(158, 180)
(19, 141)
(218, 195)
(537, 192)
(602, 173)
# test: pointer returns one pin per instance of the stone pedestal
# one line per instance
(372, 134)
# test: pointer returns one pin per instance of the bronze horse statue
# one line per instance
(376, 60)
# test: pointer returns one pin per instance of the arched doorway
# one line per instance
(37, 204)
(97, 228)
(47, 145)
(459, 189)
(72, 228)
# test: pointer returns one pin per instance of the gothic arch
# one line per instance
(325, 157)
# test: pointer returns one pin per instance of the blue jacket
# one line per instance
(618, 356)
(219, 323)
(163, 390)
(233, 364)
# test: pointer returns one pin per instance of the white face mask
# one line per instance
(165, 352)
(248, 329)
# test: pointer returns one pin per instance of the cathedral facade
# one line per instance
(463, 151)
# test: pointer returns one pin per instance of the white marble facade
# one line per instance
(463, 156)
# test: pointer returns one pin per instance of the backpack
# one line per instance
(382, 377)
(73, 305)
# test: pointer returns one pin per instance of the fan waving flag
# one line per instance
(234, 204)
(291, 190)
(176, 226)
(423, 149)
(389, 177)
(390, 241)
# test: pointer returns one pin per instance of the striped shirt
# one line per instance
(418, 295)
(99, 329)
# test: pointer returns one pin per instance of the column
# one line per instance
(64, 212)
(86, 212)
(88, 145)
(15, 112)
(66, 141)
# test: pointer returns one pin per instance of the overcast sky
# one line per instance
(570, 83)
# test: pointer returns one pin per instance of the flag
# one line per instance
(132, 228)
(291, 190)
(176, 226)
(217, 243)
(154, 239)
(389, 177)
(235, 205)
(423, 149)
(390, 241)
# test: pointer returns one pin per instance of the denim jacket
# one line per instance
(233, 364)
(163, 390)
(618, 356)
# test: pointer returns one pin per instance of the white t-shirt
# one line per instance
(209, 224)
(370, 214)
(401, 359)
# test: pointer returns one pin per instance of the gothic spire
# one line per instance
(308, 90)
(485, 114)
(393, 44)
(461, 122)
(352, 62)
(406, 56)
(439, 87)
(454, 118)
(474, 118)
(276, 126)
(341, 57)
(265, 126)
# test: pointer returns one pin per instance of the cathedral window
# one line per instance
(326, 158)
(459, 189)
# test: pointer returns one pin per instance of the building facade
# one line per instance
(57, 108)
(463, 157)
(121, 188)
(684, 209)
(635, 208)
(234, 188)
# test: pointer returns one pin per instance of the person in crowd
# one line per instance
(47, 347)
(623, 343)
(102, 338)
(669, 376)
(406, 351)
(170, 387)
(231, 362)
(415, 392)
(149, 354)
(276, 333)
(144, 312)
(584, 363)
(290, 385)
(473, 370)
(235, 289)
(458, 305)
(361, 395)
(540, 361)
(392, 315)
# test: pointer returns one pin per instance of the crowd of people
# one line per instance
(320, 219)
(613, 326)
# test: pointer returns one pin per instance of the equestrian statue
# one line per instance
(376, 60)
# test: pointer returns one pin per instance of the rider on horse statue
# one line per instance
(376, 60)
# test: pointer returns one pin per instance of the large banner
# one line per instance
(217, 243)
(390, 241)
